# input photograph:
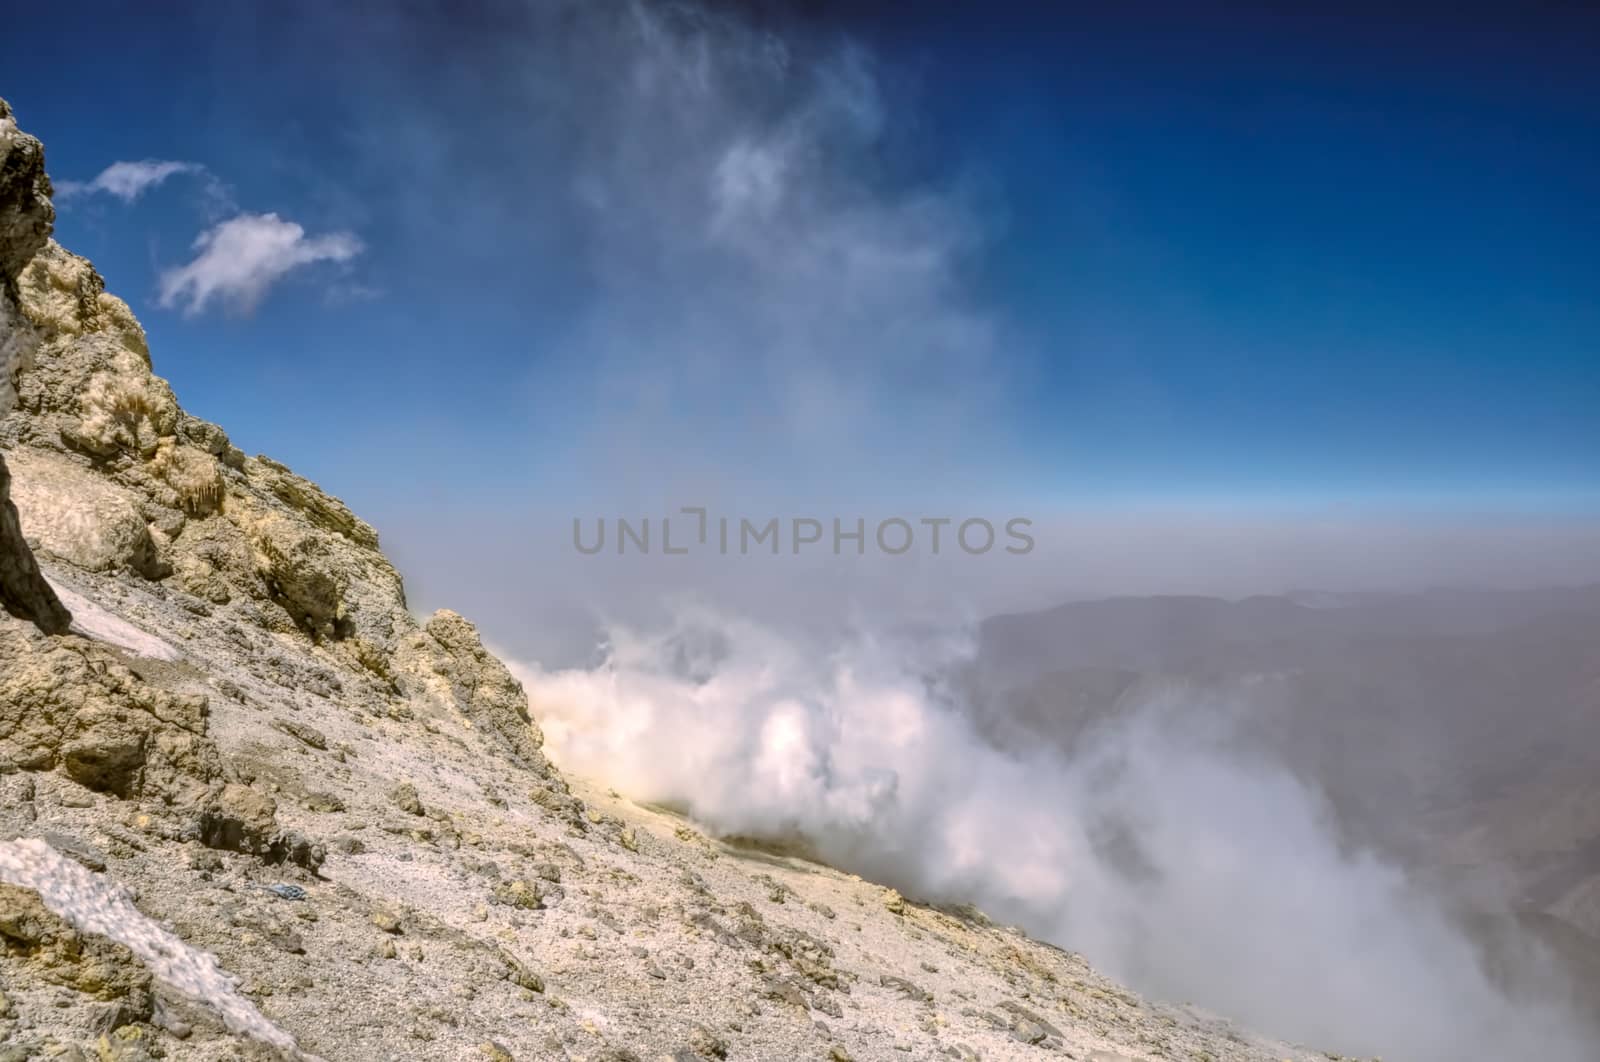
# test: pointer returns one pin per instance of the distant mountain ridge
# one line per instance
(1158, 632)
(1456, 730)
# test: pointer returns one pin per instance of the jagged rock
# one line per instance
(446, 663)
(64, 295)
(519, 974)
(404, 796)
(26, 217)
(1026, 1022)
(171, 494)
(320, 509)
(905, 987)
(26, 214)
(296, 848)
(308, 735)
(240, 820)
(297, 567)
(520, 893)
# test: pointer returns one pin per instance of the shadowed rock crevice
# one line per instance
(23, 590)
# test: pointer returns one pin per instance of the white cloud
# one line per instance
(128, 180)
(239, 259)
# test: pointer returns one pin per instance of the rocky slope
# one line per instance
(245, 746)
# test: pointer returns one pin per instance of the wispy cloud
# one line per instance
(239, 260)
(127, 181)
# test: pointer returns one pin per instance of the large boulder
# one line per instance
(81, 517)
(70, 704)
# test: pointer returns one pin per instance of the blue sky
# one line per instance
(1201, 255)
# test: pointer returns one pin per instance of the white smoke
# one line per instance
(1168, 857)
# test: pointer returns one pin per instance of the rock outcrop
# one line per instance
(25, 219)
(26, 213)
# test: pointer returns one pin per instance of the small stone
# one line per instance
(520, 975)
(705, 1042)
(323, 803)
(176, 1027)
(76, 850)
(905, 988)
(495, 1052)
(826, 1004)
(387, 921)
(404, 796)
(784, 991)
(308, 735)
(1023, 1016)
(205, 859)
(130, 1043)
(521, 893)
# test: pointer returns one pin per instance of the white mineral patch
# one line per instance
(94, 904)
(92, 621)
